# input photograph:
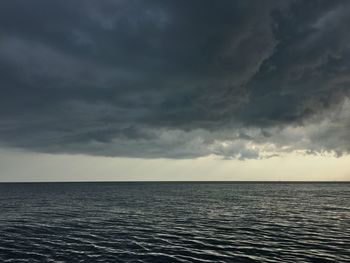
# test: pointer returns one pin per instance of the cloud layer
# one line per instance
(175, 79)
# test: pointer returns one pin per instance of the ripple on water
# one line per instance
(158, 222)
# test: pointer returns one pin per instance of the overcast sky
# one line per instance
(174, 90)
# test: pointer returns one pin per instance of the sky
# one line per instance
(174, 90)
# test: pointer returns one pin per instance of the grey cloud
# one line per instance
(175, 79)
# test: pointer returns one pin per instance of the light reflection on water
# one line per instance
(175, 222)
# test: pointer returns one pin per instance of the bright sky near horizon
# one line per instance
(28, 167)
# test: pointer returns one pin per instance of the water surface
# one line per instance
(175, 222)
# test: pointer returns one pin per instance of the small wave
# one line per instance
(192, 223)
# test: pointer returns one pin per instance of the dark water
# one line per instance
(174, 222)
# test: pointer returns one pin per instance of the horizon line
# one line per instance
(181, 181)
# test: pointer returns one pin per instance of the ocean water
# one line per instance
(175, 222)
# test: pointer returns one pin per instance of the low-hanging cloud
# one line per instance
(175, 79)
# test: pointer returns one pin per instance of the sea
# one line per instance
(175, 222)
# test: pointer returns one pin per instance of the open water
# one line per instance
(175, 222)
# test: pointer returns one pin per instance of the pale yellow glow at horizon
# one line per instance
(21, 166)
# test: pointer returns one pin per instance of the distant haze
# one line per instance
(18, 167)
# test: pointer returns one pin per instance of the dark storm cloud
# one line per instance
(175, 79)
